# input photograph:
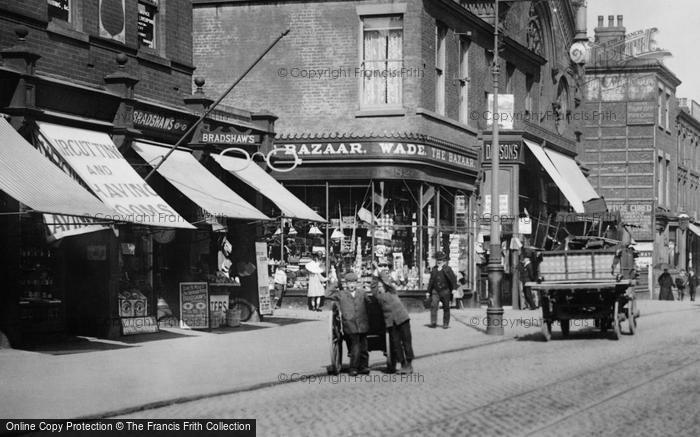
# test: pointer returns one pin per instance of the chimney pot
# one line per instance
(619, 21)
(611, 21)
(600, 20)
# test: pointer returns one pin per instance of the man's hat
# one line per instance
(350, 277)
(440, 256)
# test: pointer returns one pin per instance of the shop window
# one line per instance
(59, 10)
(147, 24)
(660, 104)
(382, 60)
(440, 67)
(529, 82)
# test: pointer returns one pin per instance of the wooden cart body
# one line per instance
(377, 337)
(579, 285)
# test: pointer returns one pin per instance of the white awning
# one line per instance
(94, 157)
(572, 173)
(695, 229)
(196, 182)
(570, 193)
(257, 178)
(33, 180)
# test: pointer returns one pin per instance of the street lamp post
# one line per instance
(494, 312)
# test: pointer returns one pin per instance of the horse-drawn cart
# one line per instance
(579, 285)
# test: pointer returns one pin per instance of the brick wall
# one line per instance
(76, 52)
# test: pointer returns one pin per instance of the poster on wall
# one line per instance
(112, 19)
(263, 279)
(194, 305)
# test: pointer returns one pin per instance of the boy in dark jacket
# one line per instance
(398, 324)
(352, 301)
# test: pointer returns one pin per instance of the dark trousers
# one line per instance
(359, 355)
(401, 343)
(692, 294)
(279, 294)
(527, 291)
(444, 296)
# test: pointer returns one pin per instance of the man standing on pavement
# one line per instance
(528, 274)
(353, 307)
(442, 282)
(280, 283)
(692, 283)
(398, 324)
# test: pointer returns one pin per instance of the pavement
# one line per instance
(92, 378)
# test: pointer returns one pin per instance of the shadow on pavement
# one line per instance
(74, 345)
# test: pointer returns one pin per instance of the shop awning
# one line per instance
(194, 181)
(544, 159)
(695, 229)
(256, 177)
(33, 180)
(97, 161)
(569, 169)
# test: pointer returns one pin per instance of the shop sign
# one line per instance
(230, 137)
(139, 325)
(263, 279)
(641, 113)
(638, 215)
(507, 152)
(460, 204)
(147, 24)
(163, 123)
(60, 226)
(194, 305)
(376, 150)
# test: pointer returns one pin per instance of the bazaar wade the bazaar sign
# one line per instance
(377, 150)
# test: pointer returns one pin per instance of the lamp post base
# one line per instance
(494, 321)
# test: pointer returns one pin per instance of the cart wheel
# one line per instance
(564, 327)
(631, 319)
(616, 322)
(336, 342)
(546, 329)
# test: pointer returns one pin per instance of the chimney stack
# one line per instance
(611, 32)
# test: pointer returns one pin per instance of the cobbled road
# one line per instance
(587, 384)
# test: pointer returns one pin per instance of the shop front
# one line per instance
(386, 200)
(538, 178)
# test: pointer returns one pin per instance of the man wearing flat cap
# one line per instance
(442, 282)
(353, 307)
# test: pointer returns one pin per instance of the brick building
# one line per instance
(641, 150)
(101, 269)
(392, 98)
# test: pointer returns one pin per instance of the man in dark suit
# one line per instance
(353, 307)
(396, 319)
(442, 282)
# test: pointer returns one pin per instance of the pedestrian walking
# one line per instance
(316, 290)
(442, 282)
(665, 285)
(692, 284)
(681, 284)
(527, 274)
(280, 283)
(396, 319)
(353, 307)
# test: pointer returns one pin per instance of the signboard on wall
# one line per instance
(641, 112)
(637, 215)
(364, 150)
(263, 279)
(194, 305)
(139, 325)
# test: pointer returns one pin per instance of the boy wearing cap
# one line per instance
(280, 280)
(396, 320)
(352, 301)
(442, 282)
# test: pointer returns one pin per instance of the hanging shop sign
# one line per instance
(229, 136)
(155, 121)
(194, 305)
(263, 279)
(508, 152)
(364, 150)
